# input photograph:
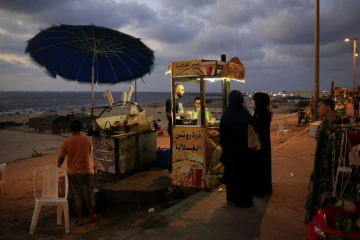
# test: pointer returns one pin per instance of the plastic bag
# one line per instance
(134, 109)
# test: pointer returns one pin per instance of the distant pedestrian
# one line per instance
(155, 125)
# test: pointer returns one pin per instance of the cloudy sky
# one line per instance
(272, 38)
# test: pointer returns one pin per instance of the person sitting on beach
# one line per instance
(161, 127)
(155, 125)
(197, 105)
(80, 170)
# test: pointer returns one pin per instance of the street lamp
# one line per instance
(354, 61)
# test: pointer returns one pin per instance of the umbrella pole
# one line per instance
(92, 85)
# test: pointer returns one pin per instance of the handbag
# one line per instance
(253, 139)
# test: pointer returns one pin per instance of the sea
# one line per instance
(12, 102)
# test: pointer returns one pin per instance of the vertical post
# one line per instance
(317, 161)
(202, 99)
(228, 86)
(92, 84)
(332, 90)
(224, 93)
(316, 57)
(135, 91)
(354, 68)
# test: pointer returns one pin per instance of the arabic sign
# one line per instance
(214, 169)
(193, 67)
(104, 156)
(188, 157)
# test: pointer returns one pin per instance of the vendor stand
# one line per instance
(196, 150)
(124, 142)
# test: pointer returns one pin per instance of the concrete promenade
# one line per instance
(206, 215)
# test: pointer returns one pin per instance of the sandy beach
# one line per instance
(19, 142)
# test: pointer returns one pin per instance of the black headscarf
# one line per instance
(262, 102)
(236, 115)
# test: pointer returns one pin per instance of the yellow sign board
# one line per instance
(188, 157)
(177, 68)
(193, 68)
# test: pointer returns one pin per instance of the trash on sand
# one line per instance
(220, 190)
(151, 210)
(36, 154)
(291, 174)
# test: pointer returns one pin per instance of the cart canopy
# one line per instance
(211, 70)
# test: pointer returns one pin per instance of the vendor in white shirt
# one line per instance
(197, 105)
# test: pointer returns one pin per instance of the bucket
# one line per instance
(163, 156)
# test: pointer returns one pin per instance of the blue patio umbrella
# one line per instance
(91, 54)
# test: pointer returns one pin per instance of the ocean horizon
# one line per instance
(38, 101)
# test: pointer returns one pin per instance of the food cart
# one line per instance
(124, 142)
(195, 143)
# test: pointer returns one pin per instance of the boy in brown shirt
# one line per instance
(80, 170)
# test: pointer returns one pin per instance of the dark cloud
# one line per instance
(101, 13)
(273, 38)
(174, 29)
(232, 13)
(275, 5)
(11, 44)
(187, 5)
(11, 67)
(81, 12)
(225, 40)
(30, 6)
(19, 24)
(295, 25)
(340, 21)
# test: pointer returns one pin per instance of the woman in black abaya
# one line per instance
(262, 159)
(235, 153)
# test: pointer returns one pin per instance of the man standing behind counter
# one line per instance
(197, 105)
(179, 92)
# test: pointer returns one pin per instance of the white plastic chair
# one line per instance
(283, 129)
(2, 178)
(50, 195)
